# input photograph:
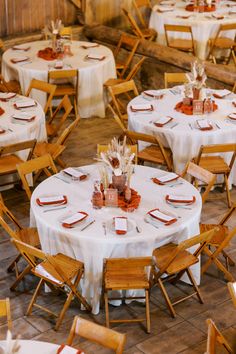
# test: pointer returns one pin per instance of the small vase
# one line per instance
(119, 182)
(196, 93)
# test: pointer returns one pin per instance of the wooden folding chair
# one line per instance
(185, 45)
(215, 339)
(133, 150)
(69, 88)
(58, 271)
(43, 163)
(129, 42)
(9, 159)
(121, 94)
(24, 234)
(141, 6)
(55, 123)
(221, 42)
(232, 291)
(175, 260)
(197, 174)
(216, 164)
(43, 86)
(5, 311)
(174, 78)
(55, 149)
(9, 86)
(127, 274)
(93, 332)
(155, 152)
(66, 33)
(142, 33)
(234, 88)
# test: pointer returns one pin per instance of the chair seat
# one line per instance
(214, 164)
(111, 82)
(219, 236)
(65, 89)
(130, 279)
(153, 154)
(29, 235)
(182, 44)
(183, 260)
(8, 163)
(224, 43)
(48, 148)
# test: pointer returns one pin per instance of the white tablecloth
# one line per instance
(35, 347)
(203, 26)
(185, 139)
(92, 73)
(92, 245)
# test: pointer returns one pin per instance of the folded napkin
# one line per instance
(169, 177)
(217, 16)
(142, 108)
(58, 64)
(167, 3)
(21, 47)
(180, 199)
(184, 17)
(203, 124)
(5, 96)
(89, 45)
(162, 121)
(95, 57)
(232, 116)
(70, 221)
(25, 104)
(65, 349)
(2, 130)
(165, 9)
(120, 225)
(161, 216)
(1, 111)
(153, 94)
(42, 271)
(54, 200)
(75, 174)
(23, 116)
(222, 93)
(19, 59)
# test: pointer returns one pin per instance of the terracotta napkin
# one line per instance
(21, 47)
(160, 216)
(221, 93)
(165, 9)
(2, 131)
(1, 111)
(169, 177)
(180, 199)
(95, 57)
(74, 219)
(65, 349)
(204, 125)
(120, 224)
(89, 45)
(19, 59)
(232, 116)
(162, 121)
(25, 104)
(5, 96)
(23, 116)
(75, 174)
(54, 200)
(142, 108)
(153, 94)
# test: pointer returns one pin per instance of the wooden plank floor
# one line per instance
(185, 334)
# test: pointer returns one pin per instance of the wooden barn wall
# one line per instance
(22, 16)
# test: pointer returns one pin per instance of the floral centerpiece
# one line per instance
(197, 79)
(53, 31)
(11, 346)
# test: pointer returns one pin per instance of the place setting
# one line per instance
(142, 108)
(160, 218)
(80, 220)
(167, 121)
(180, 201)
(72, 174)
(170, 180)
(52, 202)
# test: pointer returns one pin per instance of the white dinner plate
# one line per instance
(131, 225)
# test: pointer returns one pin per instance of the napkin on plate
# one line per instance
(232, 116)
(162, 121)
(120, 225)
(65, 349)
(217, 16)
(89, 45)
(59, 64)
(161, 216)
(25, 104)
(180, 199)
(165, 9)
(169, 177)
(75, 174)
(53, 200)
(24, 116)
(21, 47)
(73, 219)
(19, 59)
(5, 96)
(142, 108)
(153, 94)
(204, 125)
(222, 93)
(99, 57)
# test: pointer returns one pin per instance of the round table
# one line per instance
(92, 73)
(36, 347)
(181, 134)
(93, 244)
(203, 25)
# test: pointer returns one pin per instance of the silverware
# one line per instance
(148, 222)
(55, 208)
(174, 125)
(104, 228)
(190, 126)
(138, 229)
(217, 126)
(179, 206)
(176, 184)
(62, 179)
(85, 227)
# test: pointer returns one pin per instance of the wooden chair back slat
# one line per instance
(5, 311)
(135, 69)
(67, 107)
(113, 264)
(61, 74)
(24, 145)
(66, 32)
(212, 149)
(228, 27)
(174, 78)
(6, 213)
(139, 5)
(31, 254)
(49, 89)
(228, 215)
(178, 28)
(67, 131)
(133, 149)
(137, 31)
(215, 337)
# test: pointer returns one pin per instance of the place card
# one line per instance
(165, 9)
(160, 216)
(169, 177)
(142, 108)
(25, 104)
(27, 117)
(75, 174)
(70, 221)
(111, 197)
(162, 121)
(203, 124)
(120, 225)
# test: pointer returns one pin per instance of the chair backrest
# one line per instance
(174, 78)
(200, 174)
(218, 148)
(133, 149)
(31, 254)
(67, 107)
(228, 215)
(135, 69)
(200, 240)
(24, 145)
(134, 26)
(125, 89)
(67, 131)
(215, 337)
(44, 163)
(49, 89)
(66, 32)
(139, 5)
(135, 137)
(62, 74)
(5, 311)
(122, 264)
(5, 213)
(177, 28)
(101, 335)
(232, 291)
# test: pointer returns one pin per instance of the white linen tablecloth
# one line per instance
(203, 25)
(91, 246)
(181, 134)
(35, 347)
(92, 73)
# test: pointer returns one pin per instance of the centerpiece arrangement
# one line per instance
(201, 6)
(118, 160)
(195, 101)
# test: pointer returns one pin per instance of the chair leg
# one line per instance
(33, 300)
(230, 261)
(227, 191)
(167, 299)
(13, 264)
(147, 311)
(64, 309)
(60, 162)
(192, 280)
(20, 277)
(220, 266)
(106, 309)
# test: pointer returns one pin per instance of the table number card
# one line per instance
(197, 107)
(111, 197)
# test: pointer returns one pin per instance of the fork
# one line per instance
(104, 228)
